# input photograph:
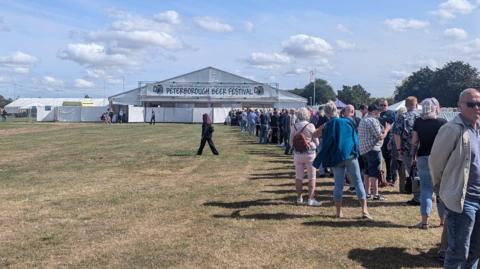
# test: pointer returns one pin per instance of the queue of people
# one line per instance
(445, 154)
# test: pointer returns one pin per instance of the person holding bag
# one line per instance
(304, 150)
(425, 130)
(207, 131)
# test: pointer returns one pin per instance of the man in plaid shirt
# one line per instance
(370, 135)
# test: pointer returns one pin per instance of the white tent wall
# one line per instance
(92, 114)
(136, 114)
(43, 115)
(198, 114)
(288, 105)
(68, 113)
(219, 114)
(186, 115)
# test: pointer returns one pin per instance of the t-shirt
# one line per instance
(427, 130)
(473, 184)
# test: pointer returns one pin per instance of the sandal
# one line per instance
(366, 216)
(422, 226)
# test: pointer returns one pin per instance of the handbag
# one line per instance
(413, 176)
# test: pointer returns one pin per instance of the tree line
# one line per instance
(443, 83)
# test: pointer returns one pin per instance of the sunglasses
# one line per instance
(383, 105)
(473, 104)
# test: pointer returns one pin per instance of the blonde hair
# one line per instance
(303, 114)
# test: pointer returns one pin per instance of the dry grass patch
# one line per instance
(137, 196)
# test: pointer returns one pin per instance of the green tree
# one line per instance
(451, 79)
(417, 84)
(355, 95)
(4, 102)
(323, 92)
(444, 83)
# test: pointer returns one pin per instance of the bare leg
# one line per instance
(338, 207)
(363, 204)
(311, 189)
(374, 182)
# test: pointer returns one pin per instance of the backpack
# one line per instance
(299, 141)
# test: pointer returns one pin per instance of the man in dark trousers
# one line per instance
(387, 116)
(152, 118)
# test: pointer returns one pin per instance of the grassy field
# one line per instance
(137, 196)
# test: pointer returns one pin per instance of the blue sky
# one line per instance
(73, 48)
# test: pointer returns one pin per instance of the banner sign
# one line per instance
(215, 90)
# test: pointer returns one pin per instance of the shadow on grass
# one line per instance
(283, 175)
(262, 216)
(397, 258)
(244, 204)
(354, 223)
(305, 183)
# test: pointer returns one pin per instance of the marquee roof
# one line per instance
(206, 77)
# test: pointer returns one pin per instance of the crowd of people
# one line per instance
(422, 153)
(109, 117)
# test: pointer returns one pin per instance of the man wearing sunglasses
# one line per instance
(455, 168)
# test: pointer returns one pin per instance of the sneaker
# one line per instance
(366, 216)
(313, 202)
(378, 198)
(413, 202)
(299, 200)
(369, 196)
(351, 189)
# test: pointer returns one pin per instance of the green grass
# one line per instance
(137, 196)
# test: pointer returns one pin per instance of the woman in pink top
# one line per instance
(303, 159)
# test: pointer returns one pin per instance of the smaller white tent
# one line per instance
(30, 103)
(400, 104)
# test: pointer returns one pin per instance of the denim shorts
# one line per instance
(373, 163)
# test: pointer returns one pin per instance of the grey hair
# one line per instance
(331, 109)
(430, 108)
(303, 114)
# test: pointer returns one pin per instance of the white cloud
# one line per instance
(342, 28)
(401, 25)
(455, 33)
(213, 25)
(400, 74)
(96, 73)
(52, 82)
(48, 83)
(267, 60)
(18, 62)
(136, 39)
(83, 84)
(296, 71)
(169, 16)
(344, 45)
(473, 48)
(4, 79)
(93, 54)
(249, 26)
(448, 10)
(306, 46)
(3, 25)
